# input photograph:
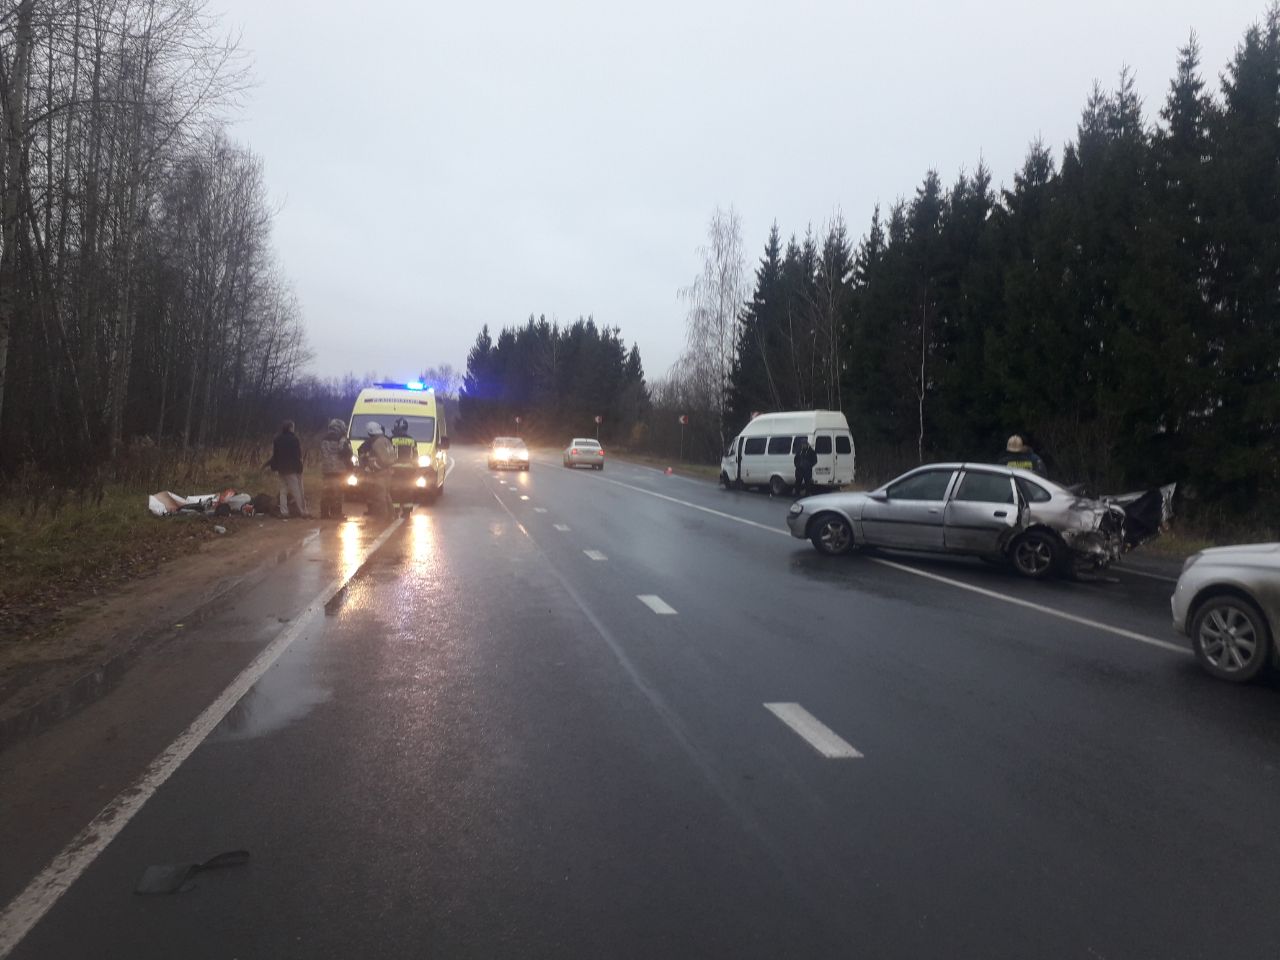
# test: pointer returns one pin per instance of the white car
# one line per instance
(584, 452)
(1228, 602)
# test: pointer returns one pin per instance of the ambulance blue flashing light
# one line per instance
(411, 385)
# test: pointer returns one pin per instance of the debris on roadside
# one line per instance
(225, 504)
(176, 878)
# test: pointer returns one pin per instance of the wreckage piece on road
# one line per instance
(985, 510)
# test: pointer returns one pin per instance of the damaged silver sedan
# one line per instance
(984, 510)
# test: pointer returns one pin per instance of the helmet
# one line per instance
(373, 429)
(1015, 444)
(337, 426)
(401, 426)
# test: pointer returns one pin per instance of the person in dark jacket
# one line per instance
(286, 461)
(335, 465)
(805, 460)
(1018, 454)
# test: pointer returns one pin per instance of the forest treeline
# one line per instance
(557, 380)
(1121, 306)
(140, 300)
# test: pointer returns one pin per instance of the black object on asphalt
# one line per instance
(174, 878)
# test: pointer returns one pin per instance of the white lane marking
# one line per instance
(451, 464)
(1004, 598)
(1143, 573)
(1050, 611)
(694, 506)
(595, 554)
(524, 496)
(539, 509)
(816, 733)
(562, 527)
(656, 603)
(25, 910)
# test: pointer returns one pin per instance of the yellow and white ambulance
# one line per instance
(418, 473)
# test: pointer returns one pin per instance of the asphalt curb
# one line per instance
(99, 680)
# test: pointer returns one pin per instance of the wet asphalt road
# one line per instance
(489, 746)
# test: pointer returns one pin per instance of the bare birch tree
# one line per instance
(711, 334)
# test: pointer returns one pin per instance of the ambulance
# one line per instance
(418, 474)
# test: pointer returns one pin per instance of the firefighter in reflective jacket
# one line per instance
(405, 446)
(1018, 454)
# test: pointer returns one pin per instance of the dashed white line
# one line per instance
(25, 910)
(524, 496)
(562, 527)
(656, 603)
(539, 509)
(595, 554)
(814, 732)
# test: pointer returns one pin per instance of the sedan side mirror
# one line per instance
(444, 443)
(880, 496)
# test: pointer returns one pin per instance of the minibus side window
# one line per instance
(779, 445)
(754, 446)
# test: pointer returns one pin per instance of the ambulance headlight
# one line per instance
(352, 480)
(522, 455)
(424, 461)
(422, 481)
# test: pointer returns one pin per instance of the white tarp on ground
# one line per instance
(165, 503)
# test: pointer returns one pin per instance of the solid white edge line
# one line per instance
(595, 554)
(39, 896)
(656, 603)
(813, 731)
(1143, 573)
(1050, 611)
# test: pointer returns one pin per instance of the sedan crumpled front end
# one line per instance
(1093, 531)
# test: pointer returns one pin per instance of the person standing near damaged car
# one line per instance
(286, 461)
(1018, 454)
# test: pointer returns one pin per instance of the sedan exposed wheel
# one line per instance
(1230, 637)
(1035, 555)
(831, 534)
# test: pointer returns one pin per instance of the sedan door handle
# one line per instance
(1002, 513)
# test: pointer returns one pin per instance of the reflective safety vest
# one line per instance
(406, 449)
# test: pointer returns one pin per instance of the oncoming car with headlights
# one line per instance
(507, 452)
(421, 463)
(983, 510)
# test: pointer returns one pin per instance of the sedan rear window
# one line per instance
(1032, 492)
(985, 488)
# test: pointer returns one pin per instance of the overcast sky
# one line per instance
(443, 165)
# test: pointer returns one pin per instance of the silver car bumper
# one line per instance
(798, 524)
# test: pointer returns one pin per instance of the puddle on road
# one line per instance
(284, 694)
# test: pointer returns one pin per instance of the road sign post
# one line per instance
(599, 420)
(684, 419)
(517, 426)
